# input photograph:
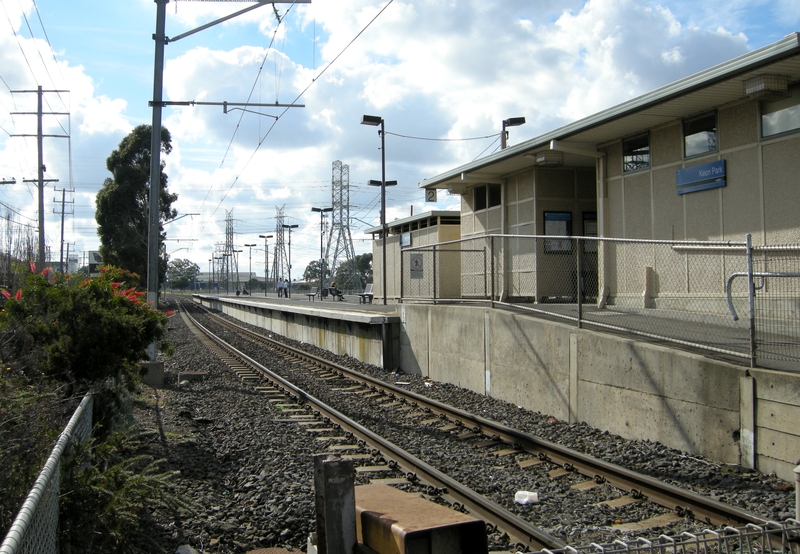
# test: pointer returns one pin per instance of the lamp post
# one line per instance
(235, 252)
(210, 273)
(226, 260)
(250, 270)
(290, 227)
(322, 212)
(375, 120)
(266, 261)
(510, 122)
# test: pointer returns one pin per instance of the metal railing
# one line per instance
(682, 292)
(35, 529)
(771, 537)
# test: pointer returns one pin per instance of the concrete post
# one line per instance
(335, 502)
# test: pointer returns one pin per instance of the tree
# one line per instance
(312, 271)
(181, 273)
(348, 276)
(123, 202)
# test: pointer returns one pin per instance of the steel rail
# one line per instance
(517, 528)
(683, 502)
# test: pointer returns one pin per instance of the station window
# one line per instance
(495, 196)
(480, 198)
(487, 197)
(782, 115)
(636, 153)
(700, 135)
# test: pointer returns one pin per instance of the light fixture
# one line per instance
(375, 120)
(548, 158)
(767, 87)
(510, 122)
(290, 227)
(266, 262)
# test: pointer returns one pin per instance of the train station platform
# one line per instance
(632, 387)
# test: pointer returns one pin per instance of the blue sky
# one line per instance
(444, 69)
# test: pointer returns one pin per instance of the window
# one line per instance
(480, 198)
(700, 135)
(487, 197)
(782, 115)
(636, 153)
(495, 196)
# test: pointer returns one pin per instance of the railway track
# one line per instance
(587, 473)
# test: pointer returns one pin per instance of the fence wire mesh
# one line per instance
(35, 529)
(674, 291)
(771, 537)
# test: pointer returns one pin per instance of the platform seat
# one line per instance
(366, 296)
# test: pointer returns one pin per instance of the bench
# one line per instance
(311, 295)
(334, 293)
(366, 296)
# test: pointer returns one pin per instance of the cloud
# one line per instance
(437, 69)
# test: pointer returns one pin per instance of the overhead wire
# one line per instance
(300, 95)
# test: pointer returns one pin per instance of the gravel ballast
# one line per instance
(250, 477)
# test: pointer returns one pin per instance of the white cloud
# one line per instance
(431, 68)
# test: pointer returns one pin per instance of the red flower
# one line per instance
(18, 296)
(46, 271)
(5, 293)
(33, 267)
(170, 313)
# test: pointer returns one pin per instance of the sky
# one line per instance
(442, 74)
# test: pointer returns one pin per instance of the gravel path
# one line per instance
(251, 477)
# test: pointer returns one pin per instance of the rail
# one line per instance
(771, 537)
(35, 529)
(683, 502)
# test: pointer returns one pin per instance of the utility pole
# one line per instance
(63, 201)
(41, 167)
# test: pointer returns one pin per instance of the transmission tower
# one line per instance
(343, 253)
(280, 261)
(230, 260)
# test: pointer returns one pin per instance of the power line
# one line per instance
(443, 139)
(313, 81)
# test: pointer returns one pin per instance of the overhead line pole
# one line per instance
(157, 104)
(41, 168)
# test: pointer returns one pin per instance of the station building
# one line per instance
(664, 192)
(617, 248)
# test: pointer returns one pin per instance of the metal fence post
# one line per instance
(401, 276)
(491, 270)
(751, 293)
(434, 274)
(579, 279)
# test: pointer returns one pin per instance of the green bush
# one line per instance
(60, 337)
(78, 331)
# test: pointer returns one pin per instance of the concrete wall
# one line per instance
(360, 336)
(760, 196)
(633, 389)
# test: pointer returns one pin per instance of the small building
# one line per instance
(417, 230)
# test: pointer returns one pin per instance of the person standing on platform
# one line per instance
(286, 286)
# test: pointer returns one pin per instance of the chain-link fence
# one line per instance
(680, 292)
(769, 538)
(35, 529)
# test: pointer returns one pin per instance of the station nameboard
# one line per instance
(701, 177)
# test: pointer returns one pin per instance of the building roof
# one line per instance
(415, 218)
(709, 89)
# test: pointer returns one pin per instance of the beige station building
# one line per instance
(646, 260)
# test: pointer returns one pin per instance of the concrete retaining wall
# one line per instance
(631, 388)
(358, 335)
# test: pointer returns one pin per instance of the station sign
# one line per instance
(701, 177)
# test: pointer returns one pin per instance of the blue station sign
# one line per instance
(701, 177)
